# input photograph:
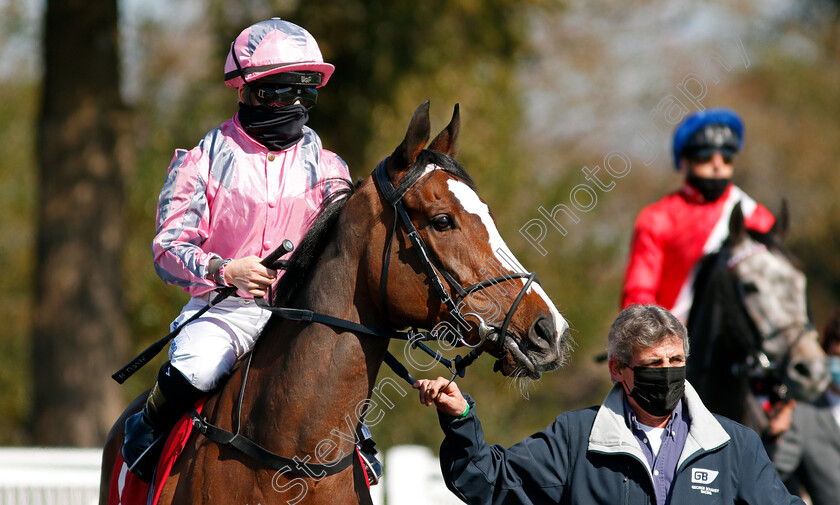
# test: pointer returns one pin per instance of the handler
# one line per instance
(651, 441)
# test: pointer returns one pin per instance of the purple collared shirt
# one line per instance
(664, 466)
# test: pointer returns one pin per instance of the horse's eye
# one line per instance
(750, 287)
(443, 222)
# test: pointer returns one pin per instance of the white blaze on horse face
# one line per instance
(473, 204)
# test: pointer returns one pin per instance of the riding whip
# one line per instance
(150, 352)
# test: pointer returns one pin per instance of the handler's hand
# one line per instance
(249, 275)
(443, 394)
(780, 417)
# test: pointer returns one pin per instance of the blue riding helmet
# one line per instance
(713, 129)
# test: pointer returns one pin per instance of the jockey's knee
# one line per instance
(204, 353)
(204, 367)
(205, 374)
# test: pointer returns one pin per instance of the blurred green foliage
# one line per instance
(18, 173)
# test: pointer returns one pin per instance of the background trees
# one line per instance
(78, 323)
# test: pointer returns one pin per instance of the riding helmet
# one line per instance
(713, 129)
(272, 47)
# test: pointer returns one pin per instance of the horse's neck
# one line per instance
(309, 379)
(712, 351)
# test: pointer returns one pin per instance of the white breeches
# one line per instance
(206, 349)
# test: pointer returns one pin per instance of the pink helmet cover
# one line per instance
(271, 47)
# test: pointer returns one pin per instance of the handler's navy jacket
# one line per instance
(591, 457)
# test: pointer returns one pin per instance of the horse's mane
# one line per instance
(307, 253)
(313, 243)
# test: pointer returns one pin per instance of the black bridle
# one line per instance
(766, 375)
(436, 273)
(435, 270)
(456, 366)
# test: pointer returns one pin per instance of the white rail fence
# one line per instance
(46, 476)
(50, 476)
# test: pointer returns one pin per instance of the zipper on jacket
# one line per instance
(626, 485)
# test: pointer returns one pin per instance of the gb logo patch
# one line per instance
(703, 476)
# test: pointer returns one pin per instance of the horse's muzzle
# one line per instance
(806, 379)
(546, 347)
(541, 349)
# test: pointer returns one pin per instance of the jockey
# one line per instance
(673, 234)
(255, 180)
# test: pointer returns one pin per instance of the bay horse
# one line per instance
(752, 339)
(411, 246)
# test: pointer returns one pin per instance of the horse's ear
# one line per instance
(782, 225)
(737, 226)
(415, 140)
(446, 141)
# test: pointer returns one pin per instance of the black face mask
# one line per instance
(657, 390)
(711, 189)
(276, 128)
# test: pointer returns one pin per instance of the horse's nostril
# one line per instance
(802, 369)
(542, 332)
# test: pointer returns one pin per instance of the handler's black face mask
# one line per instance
(657, 390)
(276, 128)
(710, 188)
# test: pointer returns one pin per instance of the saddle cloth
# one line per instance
(127, 489)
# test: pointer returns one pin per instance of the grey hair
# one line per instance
(640, 327)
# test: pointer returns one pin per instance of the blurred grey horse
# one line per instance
(752, 339)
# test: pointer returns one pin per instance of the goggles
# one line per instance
(705, 155)
(280, 95)
(704, 143)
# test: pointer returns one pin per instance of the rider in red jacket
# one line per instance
(673, 234)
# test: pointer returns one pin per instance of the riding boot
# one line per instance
(146, 430)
